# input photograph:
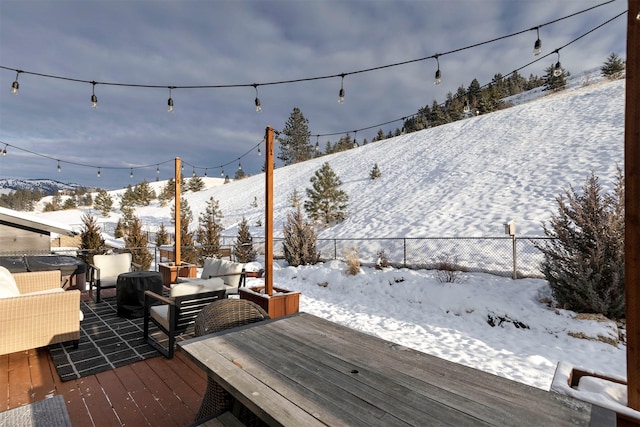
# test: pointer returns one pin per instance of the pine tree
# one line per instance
(299, 240)
(295, 145)
(553, 82)
(375, 172)
(196, 184)
(327, 203)
(91, 241)
(162, 236)
(209, 229)
(120, 229)
(103, 203)
(613, 68)
(144, 194)
(136, 242)
(168, 192)
(243, 247)
(69, 203)
(584, 260)
(187, 241)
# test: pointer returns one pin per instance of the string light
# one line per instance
(98, 172)
(259, 151)
(157, 169)
(94, 98)
(15, 85)
(257, 101)
(59, 168)
(170, 101)
(537, 46)
(341, 92)
(438, 78)
(205, 173)
(4, 152)
(193, 173)
(466, 107)
(222, 173)
(239, 166)
(557, 69)
(131, 173)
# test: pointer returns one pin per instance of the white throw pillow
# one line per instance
(197, 286)
(210, 267)
(229, 267)
(8, 287)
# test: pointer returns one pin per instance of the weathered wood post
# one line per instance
(268, 209)
(177, 214)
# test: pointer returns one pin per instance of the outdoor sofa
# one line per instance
(35, 311)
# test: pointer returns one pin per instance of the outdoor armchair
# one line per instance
(173, 315)
(104, 271)
(35, 311)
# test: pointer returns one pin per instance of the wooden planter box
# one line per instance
(170, 271)
(282, 303)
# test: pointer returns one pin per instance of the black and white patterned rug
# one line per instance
(106, 342)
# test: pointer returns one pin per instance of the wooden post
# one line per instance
(632, 205)
(177, 209)
(268, 209)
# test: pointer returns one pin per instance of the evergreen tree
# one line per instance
(187, 240)
(144, 194)
(209, 229)
(91, 241)
(239, 174)
(243, 247)
(69, 203)
(162, 236)
(136, 242)
(103, 203)
(375, 172)
(300, 240)
(196, 184)
(327, 203)
(295, 145)
(168, 192)
(584, 260)
(120, 229)
(613, 68)
(553, 82)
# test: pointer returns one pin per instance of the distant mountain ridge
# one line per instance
(46, 186)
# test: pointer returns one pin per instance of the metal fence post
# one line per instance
(515, 263)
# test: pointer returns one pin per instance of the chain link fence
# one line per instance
(511, 256)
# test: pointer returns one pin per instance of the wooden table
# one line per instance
(304, 370)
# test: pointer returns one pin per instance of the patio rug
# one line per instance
(106, 342)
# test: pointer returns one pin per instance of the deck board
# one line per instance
(153, 392)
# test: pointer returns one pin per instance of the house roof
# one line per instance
(11, 217)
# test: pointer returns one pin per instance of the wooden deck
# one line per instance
(153, 392)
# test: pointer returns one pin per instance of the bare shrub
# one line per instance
(383, 260)
(353, 261)
(446, 269)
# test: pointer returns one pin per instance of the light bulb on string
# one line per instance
(94, 98)
(317, 143)
(4, 152)
(438, 77)
(15, 85)
(205, 172)
(355, 138)
(341, 92)
(98, 172)
(131, 173)
(170, 101)
(466, 107)
(239, 166)
(257, 100)
(222, 173)
(59, 168)
(193, 173)
(537, 46)
(557, 69)
(157, 169)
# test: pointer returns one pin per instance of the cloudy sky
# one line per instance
(234, 44)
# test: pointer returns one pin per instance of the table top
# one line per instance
(142, 273)
(305, 370)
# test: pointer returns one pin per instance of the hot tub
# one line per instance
(73, 270)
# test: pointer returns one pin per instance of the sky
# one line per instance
(462, 179)
(239, 43)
